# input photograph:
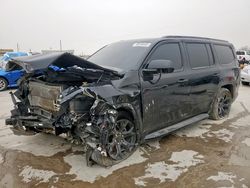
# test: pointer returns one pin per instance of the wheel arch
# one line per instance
(230, 87)
(129, 109)
(5, 79)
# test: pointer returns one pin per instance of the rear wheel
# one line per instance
(3, 84)
(222, 105)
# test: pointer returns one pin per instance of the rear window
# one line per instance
(198, 55)
(225, 54)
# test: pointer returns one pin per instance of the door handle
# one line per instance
(182, 80)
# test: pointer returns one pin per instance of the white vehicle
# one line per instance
(243, 56)
(245, 75)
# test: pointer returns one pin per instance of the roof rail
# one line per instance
(192, 37)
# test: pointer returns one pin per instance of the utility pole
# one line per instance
(60, 45)
(17, 47)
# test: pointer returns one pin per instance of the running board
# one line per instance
(167, 130)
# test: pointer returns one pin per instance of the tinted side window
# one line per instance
(198, 55)
(169, 51)
(225, 54)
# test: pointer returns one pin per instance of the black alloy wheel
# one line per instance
(222, 105)
(122, 140)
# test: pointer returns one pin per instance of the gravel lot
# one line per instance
(206, 154)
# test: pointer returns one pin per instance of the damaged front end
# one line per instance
(66, 101)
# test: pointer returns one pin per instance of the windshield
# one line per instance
(2, 63)
(122, 55)
(7, 56)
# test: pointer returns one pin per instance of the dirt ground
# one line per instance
(207, 154)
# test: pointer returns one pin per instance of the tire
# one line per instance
(221, 105)
(123, 138)
(3, 84)
(245, 83)
(122, 142)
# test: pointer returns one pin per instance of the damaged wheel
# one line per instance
(122, 141)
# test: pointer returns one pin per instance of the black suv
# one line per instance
(126, 93)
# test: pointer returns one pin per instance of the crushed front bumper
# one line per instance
(29, 121)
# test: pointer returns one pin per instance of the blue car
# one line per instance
(10, 73)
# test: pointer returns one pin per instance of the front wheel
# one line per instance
(221, 105)
(122, 142)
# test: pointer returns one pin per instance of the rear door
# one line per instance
(204, 75)
(166, 98)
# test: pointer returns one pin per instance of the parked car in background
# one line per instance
(245, 75)
(10, 73)
(126, 93)
(8, 55)
(243, 56)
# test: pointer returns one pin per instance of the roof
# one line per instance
(158, 39)
(193, 37)
(8, 55)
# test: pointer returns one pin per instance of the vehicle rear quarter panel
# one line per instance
(229, 73)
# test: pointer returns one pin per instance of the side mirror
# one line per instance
(166, 66)
(156, 66)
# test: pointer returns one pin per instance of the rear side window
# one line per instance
(198, 55)
(225, 54)
(168, 51)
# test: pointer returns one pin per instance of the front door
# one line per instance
(165, 99)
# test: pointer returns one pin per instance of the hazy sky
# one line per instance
(87, 25)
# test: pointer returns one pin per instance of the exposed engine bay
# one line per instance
(63, 98)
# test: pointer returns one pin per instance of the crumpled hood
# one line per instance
(60, 59)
